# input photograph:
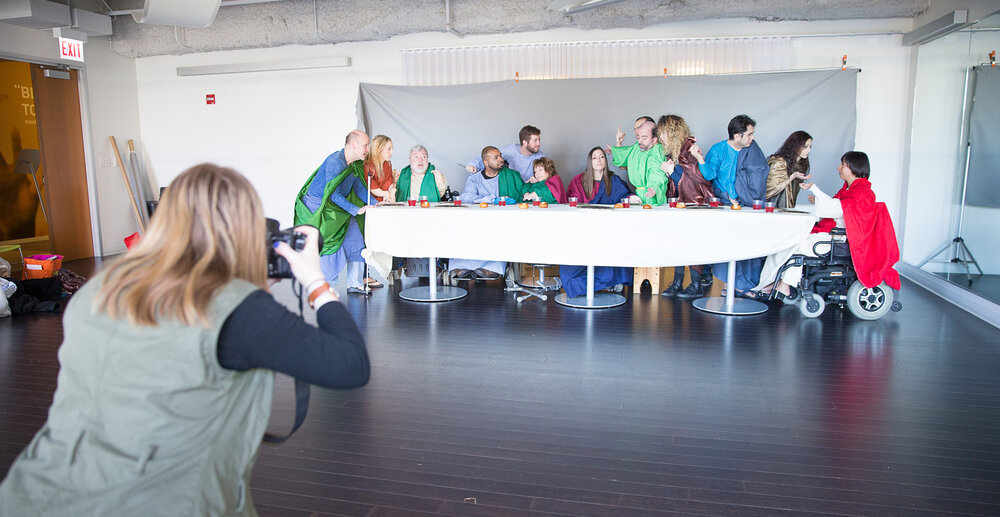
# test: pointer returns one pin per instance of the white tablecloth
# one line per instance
(561, 234)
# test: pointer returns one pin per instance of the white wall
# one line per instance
(277, 127)
(937, 160)
(112, 100)
(109, 105)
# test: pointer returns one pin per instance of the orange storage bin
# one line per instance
(41, 266)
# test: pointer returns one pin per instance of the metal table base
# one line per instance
(431, 292)
(597, 301)
(730, 305)
(591, 300)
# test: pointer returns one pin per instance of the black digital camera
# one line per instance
(277, 266)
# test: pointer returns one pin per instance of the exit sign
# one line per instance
(71, 49)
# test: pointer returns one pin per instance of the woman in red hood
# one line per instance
(870, 233)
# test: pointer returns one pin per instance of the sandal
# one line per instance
(753, 295)
(788, 299)
(373, 284)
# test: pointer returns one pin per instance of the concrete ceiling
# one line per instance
(295, 21)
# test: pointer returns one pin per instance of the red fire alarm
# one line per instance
(210, 98)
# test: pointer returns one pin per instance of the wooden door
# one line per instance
(60, 133)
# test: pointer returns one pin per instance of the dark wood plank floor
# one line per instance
(486, 407)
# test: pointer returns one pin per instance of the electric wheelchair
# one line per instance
(830, 278)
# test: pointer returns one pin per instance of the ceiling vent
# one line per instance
(183, 13)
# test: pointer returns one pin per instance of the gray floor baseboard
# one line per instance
(962, 298)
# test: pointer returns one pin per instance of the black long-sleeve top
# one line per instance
(261, 333)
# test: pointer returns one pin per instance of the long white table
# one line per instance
(561, 234)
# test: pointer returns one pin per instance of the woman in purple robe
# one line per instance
(596, 185)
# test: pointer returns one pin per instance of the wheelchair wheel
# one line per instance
(869, 303)
(811, 305)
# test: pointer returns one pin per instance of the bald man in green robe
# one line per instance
(644, 161)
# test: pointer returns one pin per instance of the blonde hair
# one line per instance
(672, 131)
(208, 229)
(374, 161)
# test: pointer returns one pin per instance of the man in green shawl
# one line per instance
(334, 200)
(494, 182)
(419, 178)
(644, 160)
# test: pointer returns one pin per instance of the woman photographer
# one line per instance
(166, 378)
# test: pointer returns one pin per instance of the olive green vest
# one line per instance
(144, 421)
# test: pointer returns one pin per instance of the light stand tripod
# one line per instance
(958, 252)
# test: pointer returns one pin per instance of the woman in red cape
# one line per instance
(870, 233)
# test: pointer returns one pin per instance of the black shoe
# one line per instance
(790, 299)
(706, 281)
(672, 290)
(461, 273)
(693, 290)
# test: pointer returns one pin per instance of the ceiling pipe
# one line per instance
(447, 19)
(570, 6)
(224, 3)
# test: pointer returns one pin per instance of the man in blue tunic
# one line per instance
(331, 200)
(738, 171)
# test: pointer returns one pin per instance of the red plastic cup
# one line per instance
(672, 202)
(412, 201)
(457, 201)
(572, 201)
(536, 202)
(769, 207)
(625, 203)
(758, 204)
(713, 202)
(502, 202)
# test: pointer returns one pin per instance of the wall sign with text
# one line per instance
(71, 49)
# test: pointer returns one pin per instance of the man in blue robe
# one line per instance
(488, 186)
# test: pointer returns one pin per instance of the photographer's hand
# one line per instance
(305, 264)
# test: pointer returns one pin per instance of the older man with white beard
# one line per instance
(419, 178)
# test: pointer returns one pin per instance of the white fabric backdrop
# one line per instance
(454, 123)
